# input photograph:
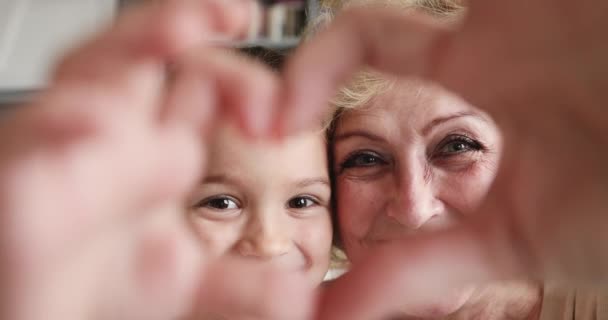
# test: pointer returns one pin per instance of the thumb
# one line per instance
(399, 43)
(240, 289)
(413, 271)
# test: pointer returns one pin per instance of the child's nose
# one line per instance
(264, 239)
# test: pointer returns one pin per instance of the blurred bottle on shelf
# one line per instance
(277, 24)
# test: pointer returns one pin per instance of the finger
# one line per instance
(384, 39)
(214, 81)
(158, 31)
(128, 61)
(410, 272)
(154, 266)
(240, 289)
(165, 270)
(210, 85)
(536, 224)
(125, 65)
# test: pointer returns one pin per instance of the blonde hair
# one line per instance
(367, 84)
(438, 7)
(328, 9)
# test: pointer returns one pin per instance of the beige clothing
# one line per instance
(568, 304)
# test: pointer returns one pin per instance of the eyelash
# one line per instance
(291, 204)
(313, 200)
(205, 203)
(470, 144)
(350, 161)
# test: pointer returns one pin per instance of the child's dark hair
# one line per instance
(270, 57)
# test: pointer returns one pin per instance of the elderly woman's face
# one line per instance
(414, 159)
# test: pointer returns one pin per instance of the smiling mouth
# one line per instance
(374, 241)
(384, 238)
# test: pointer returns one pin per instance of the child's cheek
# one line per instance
(215, 238)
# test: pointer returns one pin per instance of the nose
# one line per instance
(264, 238)
(414, 203)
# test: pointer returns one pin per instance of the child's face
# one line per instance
(266, 202)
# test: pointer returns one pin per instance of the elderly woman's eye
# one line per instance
(218, 203)
(363, 159)
(456, 144)
(301, 202)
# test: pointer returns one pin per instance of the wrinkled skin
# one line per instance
(538, 69)
(97, 175)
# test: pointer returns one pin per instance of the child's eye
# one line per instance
(301, 202)
(218, 203)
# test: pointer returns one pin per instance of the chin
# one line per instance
(443, 306)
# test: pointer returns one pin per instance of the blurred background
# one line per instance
(35, 33)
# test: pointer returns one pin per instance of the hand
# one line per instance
(94, 172)
(238, 290)
(539, 69)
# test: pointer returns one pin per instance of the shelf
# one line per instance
(284, 44)
(9, 98)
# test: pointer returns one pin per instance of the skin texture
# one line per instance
(417, 159)
(536, 67)
(95, 171)
(267, 204)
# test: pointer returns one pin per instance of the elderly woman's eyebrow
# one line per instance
(450, 117)
(357, 133)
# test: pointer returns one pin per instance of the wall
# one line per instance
(33, 33)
